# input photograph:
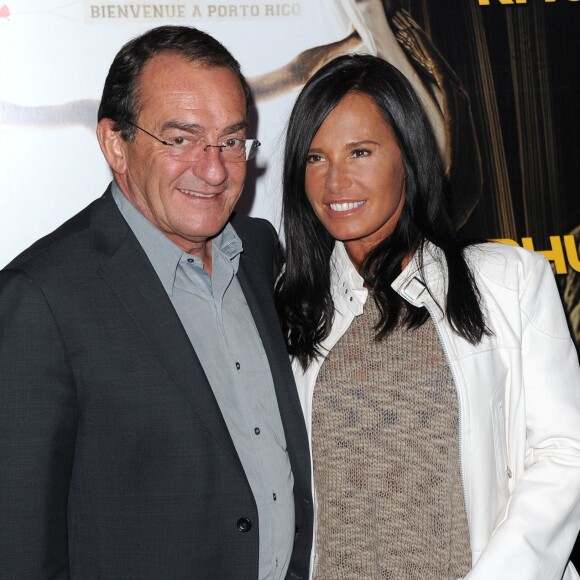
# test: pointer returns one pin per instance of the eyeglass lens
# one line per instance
(231, 150)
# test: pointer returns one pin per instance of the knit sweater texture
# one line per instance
(386, 458)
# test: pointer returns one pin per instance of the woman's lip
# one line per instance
(340, 206)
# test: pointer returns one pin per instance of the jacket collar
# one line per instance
(348, 287)
(423, 283)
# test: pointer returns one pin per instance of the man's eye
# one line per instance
(178, 141)
(233, 143)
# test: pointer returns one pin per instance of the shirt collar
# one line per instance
(163, 254)
(346, 282)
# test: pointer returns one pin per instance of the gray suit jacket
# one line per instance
(115, 461)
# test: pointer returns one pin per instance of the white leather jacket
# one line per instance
(519, 403)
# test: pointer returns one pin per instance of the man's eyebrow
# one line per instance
(182, 126)
(240, 126)
(196, 129)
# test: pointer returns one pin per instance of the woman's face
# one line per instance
(354, 177)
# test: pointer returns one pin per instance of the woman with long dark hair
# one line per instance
(438, 379)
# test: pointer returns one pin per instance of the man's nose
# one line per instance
(211, 166)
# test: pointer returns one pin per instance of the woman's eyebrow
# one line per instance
(359, 143)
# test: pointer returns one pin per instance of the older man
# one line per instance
(149, 424)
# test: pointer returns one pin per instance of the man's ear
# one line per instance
(112, 145)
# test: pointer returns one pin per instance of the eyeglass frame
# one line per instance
(253, 148)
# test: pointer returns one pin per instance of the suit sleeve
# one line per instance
(38, 416)
(536, 537)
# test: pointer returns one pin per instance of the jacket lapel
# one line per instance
(256, 292)
(133, 280)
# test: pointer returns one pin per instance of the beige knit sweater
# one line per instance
(386, 459)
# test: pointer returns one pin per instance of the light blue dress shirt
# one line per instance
(220, 326)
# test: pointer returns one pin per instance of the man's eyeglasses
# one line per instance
(188, 148)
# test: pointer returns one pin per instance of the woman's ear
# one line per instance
(112, 145)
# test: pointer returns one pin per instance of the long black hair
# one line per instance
(303, 296)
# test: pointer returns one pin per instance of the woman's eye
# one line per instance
(361, 153)
(313, 158)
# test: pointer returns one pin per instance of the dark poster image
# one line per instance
(519, 65)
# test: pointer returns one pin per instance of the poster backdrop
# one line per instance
(499, 79)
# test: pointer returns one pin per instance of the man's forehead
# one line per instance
(165, 64)
(174, 86)
(175, 79)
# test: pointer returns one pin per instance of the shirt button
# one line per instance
(257, 430)
(190, 260)
(238, 365)
(274, 496)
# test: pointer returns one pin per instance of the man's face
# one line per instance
(190, 201)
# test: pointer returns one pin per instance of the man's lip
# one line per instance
(194, 193)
